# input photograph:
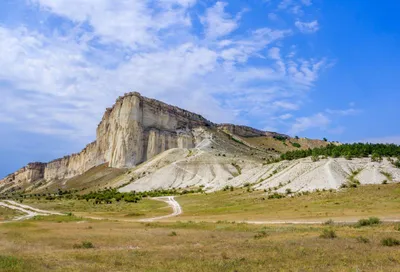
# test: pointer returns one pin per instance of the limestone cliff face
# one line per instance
(134, 130)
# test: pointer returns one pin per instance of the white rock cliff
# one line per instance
(134, 130)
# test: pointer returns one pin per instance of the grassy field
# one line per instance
(73, 243)
(350, 204)
(70, 244)
(6, 214)
(121, 210)
(240, 205)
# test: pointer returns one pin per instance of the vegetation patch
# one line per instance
(389, 241)
(388, 176)
(362, 239)
(238, 168)
(328, 234)
(297, 145)
(368, 222)
(357, 150)
(11, 263)
(84, 245)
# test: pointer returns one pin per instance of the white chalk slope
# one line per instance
(203, 167)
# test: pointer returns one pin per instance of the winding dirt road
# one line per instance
(28, 210)
(170, 200)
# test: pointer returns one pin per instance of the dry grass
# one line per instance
(6, 214)
(118, 246)
(284, 146)
(349, 204)
(119, 210)
(96, 178)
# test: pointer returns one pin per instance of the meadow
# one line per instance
(209, 235)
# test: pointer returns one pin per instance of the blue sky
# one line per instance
(311, 68)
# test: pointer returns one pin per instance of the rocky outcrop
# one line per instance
(244, 131)
(134, 130)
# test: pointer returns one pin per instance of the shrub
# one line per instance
(84, 244)
(368, 222)
(288, 191)
(296, 145)
(376, 157)
(388, 175)
(276, 196)
(390, 242)
(260, 234)
(330, 222)
(173, 233)
(328, 234)
(362, 239)
(315, 158)
(384, 182)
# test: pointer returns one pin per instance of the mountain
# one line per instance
(145, 144)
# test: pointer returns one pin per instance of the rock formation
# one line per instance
(134, 130)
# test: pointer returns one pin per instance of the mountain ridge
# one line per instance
(133, 130)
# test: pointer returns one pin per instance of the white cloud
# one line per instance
(272, 16)
(217, 22)
(307, 27)
(344, 112)
(123, 21)
(285, 116)
(286, 105)
(61, 83)
(306, 2)
(318, 120)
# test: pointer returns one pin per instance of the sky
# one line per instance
(308, 68)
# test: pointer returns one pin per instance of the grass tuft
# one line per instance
(84, 245)
(328, 234)
(389, 241)
(10, 263)
(362, 239)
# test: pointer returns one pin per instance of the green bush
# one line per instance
(261, 234)
(368, 222)
(328, 234)
(296, 145)
(173, 233)
(84, 245)
(390, 242)
(276, 196)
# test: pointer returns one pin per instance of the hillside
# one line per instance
(143, 144)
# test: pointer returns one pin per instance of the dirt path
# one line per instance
(26, 207)
(176, 210)
(170, 200)
(28, 210)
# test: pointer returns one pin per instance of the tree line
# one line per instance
(349, 151)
